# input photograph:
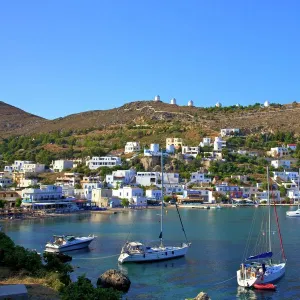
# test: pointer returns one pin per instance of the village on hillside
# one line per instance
(141, 184)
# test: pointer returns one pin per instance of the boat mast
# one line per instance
(268, 197)
(162, 199)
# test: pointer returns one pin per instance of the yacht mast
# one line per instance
(268, 197)
(162, 200)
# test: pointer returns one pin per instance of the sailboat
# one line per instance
(261, 268)
(137, 251)
(295, 213)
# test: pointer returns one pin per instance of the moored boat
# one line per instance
(266, 286)
(63, 243)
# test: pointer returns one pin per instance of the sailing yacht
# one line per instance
(137, 251)
(261, 268)
(295, 213)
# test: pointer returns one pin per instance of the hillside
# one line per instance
(148, 113)
(13, 120)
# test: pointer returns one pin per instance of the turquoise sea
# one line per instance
(218, 239)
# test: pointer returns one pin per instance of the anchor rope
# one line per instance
(99, 257)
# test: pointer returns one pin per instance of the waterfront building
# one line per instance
(248, 191)
(263, 196)
(9, 197)
(281, 163)
(197, 196)
(62, 164)
(189, 151)
(128, 192)
(45, 193)
(103, 161)
(121, 177)
(86, 192)
(293, 194)
(225, 188)
(154, 194)
(131, 147)
(101, 196)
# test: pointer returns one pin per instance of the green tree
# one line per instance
(125, 202)
(18, 202)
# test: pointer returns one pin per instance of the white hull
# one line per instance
(76, 245)
(294, 213)
(154, 254)
(272, 274)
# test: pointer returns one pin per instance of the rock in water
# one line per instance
(202, 296)
(115, 279)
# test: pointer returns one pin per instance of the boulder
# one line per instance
(115, 279)
(202, 296)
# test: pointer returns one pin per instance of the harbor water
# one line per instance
(218, 238)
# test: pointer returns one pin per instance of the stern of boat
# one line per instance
(123, 258)
(245, 281)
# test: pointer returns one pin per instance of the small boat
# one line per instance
(266, 286)
(63, 243)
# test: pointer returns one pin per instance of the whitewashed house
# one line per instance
(229, 131)
(103, 161)
(292, 147)
(199, 177)
(128, 192)
(153, 151)
(263, 196)
(44, 193)
(154, 194)
(62, 164)
(8, 169)
(188, 151)
(281, 163)
(87, 191)
(195, 196)
(33, 168)
(293, 194)
(170, 189)
(18, 165)
(154, 178)
(219, 144)
(278, 152)
(286, 176)
(248, 191)
(206, 141)
(131, 147)
(5, 182)
(120, 177)
(24, 183)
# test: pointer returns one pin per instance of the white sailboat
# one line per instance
(137, 251)
(261, 268)
(295, 213)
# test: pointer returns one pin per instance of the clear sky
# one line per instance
(59, 57)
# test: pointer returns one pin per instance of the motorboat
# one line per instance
(63, 243)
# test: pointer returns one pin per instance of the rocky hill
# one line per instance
(148, 113)
(14, 120)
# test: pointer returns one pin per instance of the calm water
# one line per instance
(218, 241)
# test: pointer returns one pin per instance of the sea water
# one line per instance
(218, 240)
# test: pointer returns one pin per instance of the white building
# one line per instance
(281, 163)
(206, 141)
(229, 131)
(279, 151)
(104, 161)
(188, 151)
(18, 165)
(293, 194)
(87, 191)
(154, 194)
(24, 183)
(176, 142)
(292, 147)
(33, 168)
(199, 177)
(266, 103)
(191, 103)
(173, 101)
(131, 147)
(263, 196)
(218, 104)
(170, 149)
(5, 182)
(286, 176)
(157, 98)
(219, 144)
(62, 164)
(128, 192)
(44, 193)
(154, 178)
(153, 151)
(8, 169)
(194, 196)
(120, 177)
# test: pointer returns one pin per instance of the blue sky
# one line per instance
(64, 57)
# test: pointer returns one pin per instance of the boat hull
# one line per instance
(272, 274)
(268, 286)
(69, 247)
(149, 256)
(294, 213)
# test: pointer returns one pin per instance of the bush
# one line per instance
(83, 289)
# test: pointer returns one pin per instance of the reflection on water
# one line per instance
(218, 241)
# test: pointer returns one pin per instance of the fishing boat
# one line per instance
(295, 213)
(137, 251)
(63, 243)
(262, 267)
